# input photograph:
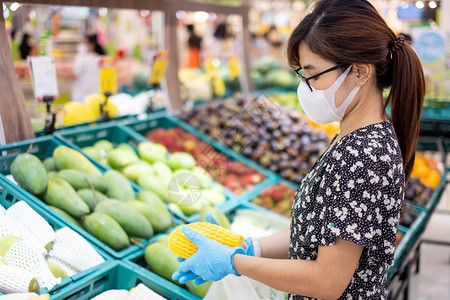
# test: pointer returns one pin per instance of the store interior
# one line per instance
(209, 81)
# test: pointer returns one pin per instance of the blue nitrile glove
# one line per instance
(248, 242)
(212, 261)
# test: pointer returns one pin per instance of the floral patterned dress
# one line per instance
(354, 192)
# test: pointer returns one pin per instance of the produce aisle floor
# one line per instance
(433, 280)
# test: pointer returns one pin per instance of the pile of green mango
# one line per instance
(164, 263)
(105, 205)
(152, 168)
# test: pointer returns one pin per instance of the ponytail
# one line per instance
(406, 99)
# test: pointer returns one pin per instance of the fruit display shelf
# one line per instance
(119, 134)
(219, 160)
(9, 195)
(120, 275)
(43, 148)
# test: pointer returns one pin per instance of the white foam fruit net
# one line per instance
(63, 265)
(112, 295)
(10, 226)
(2, 210)
(36, 224)
(73, 249)
(24, 256)
(14, 279)
(141, 292)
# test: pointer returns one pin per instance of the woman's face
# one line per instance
(313, 64)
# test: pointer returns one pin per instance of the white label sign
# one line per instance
(43, 71)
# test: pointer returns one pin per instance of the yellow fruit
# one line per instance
(180, 245)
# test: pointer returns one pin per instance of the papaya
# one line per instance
(119, 159)
(91, 198)
(199, 290)
(29, 173)
(181, 160)
(135, 170)
(158, 217)
(107, 230)
(118, 186)
(65, 215)
(62, 195)
(152, 152)
(92, 152)
(67, 158)
(129, 219)
(152, 183)
(79, 180)
(49, 164)
(161, 261)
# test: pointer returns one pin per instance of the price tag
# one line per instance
(43, 72)
(108, 75)
(233, 66)
(159, 67)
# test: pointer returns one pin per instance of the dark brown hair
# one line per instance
(352, 31)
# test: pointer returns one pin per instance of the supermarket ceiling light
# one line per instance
(432, 4)
(420, 5)
(201, 16)
(6, 13)
(14, 6)
(102, 12)
(212, 17)
(181, 14)
(144, 13)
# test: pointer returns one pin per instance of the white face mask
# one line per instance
(320, 105)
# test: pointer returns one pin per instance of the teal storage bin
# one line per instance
(42, 148)
(120, 275)
(9, 195)
(117, 134)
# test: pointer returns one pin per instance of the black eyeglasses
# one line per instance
(301, 74)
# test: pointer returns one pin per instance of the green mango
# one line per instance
(7, 242)
(49, 246)
(152, 152)
(119, 159)
(66, 158)
(29, 173)
(163, 172)
(194, 208)
(104, 145)
(49, 164)
(219, 216)
(107, 230)
(118, 186)
(79, 180)
(161, 261)
(152, 183)
(203, 176)
(52, 174)
(181, 160)
(175, 208)
(92, 152)
(149, 197)
(199, 290)
(213, 197)
(91, 198)
(163, 238)
(129, 219)
(62, 195)
(158, 217)
(135, 170)
(63, 214)
(126, 147)
(56, 270)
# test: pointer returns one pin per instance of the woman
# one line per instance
(346, 210)
(25, 46)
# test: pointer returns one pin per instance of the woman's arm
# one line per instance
(325, 278)
(275, 246)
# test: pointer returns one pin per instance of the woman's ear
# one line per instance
(363, 73)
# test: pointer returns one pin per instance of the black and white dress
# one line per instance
(354, 192)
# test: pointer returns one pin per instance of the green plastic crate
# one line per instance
(118, 134)
(43, 147)
(9, 195)
(121, 275)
